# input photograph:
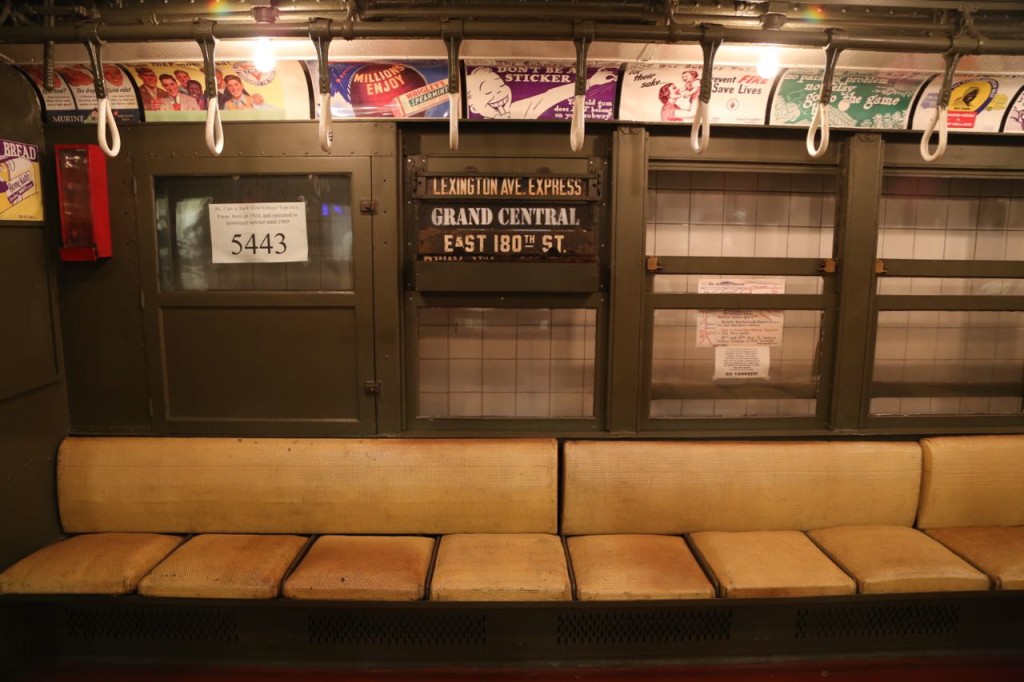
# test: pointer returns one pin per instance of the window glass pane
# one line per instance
(506, 362)
(951, 218)
(948, 362)
(762, 215)
(950, 286)
(690, 284)
(688, 377)
(184, 234)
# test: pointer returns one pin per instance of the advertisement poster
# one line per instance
(414, 89)
(272, 232)
(73, 98)
(20, 197)
(120, 92)
(531, 90)
(977, 102)
(1015, 116)
(176, 91)
(742, 362)
(860, 99)
(669, 92)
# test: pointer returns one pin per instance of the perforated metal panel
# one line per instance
(640, 627)
(397, 629)
(152, 624)
(832, 622)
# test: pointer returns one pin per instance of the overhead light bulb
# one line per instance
(768, 64)
(263, 55)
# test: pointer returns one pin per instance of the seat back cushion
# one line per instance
(682, 487)
(307, 486)
(972, 481)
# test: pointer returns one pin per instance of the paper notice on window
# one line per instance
(743, 285)
(742, 362)
(259, 233)
(739, 328)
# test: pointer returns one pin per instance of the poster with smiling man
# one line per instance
(530, 90)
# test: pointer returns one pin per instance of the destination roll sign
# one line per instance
(473, 218)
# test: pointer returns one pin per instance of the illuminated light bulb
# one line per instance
(263, 55)
(768, 64)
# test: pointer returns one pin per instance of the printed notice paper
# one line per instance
(740, 327)
(742, 362)
(259, 233)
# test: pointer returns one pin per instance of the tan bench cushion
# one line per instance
(770, 564)
(671, 488)
(629, 567)
(105, 563)
(383, 486)
(972, 481)
(362, 568)
(502, 567)
(888, 559)
(225, 567)
(996, 550)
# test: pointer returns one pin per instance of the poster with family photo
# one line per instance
(531, 90)
(176, 91)
(668, 93)
(73, 98)
(384, 89)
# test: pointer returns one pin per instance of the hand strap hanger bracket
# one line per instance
(700, 129)
(583, 33)
(105, 116)
(451, 32)
(819, 121)
(203, 33)
(320, 34)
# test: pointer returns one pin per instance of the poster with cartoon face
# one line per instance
(860, 99)
(385, 89)
(977, 102)
(1014, 121)
(58, 104)
(176, 91)
(669, 93)
(531, 90)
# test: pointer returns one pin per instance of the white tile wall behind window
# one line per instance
(492, 362)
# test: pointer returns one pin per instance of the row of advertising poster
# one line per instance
(641, 92)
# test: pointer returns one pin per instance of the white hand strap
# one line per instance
(326, 134)
(938, 121)
(700, 130)
(576, 131)
(818, 122)
(454, 110)
(106, 119)
(214, 128)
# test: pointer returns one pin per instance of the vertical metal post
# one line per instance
(857, 239)
(629, 182)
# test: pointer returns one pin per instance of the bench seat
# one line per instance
(770, 563)
(972, 501)
(501, 567)
(634, 567)
(95, 563)
(363, 568)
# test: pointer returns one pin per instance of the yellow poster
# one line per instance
(20, 197)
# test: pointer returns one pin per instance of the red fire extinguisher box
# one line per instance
(84, 204)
